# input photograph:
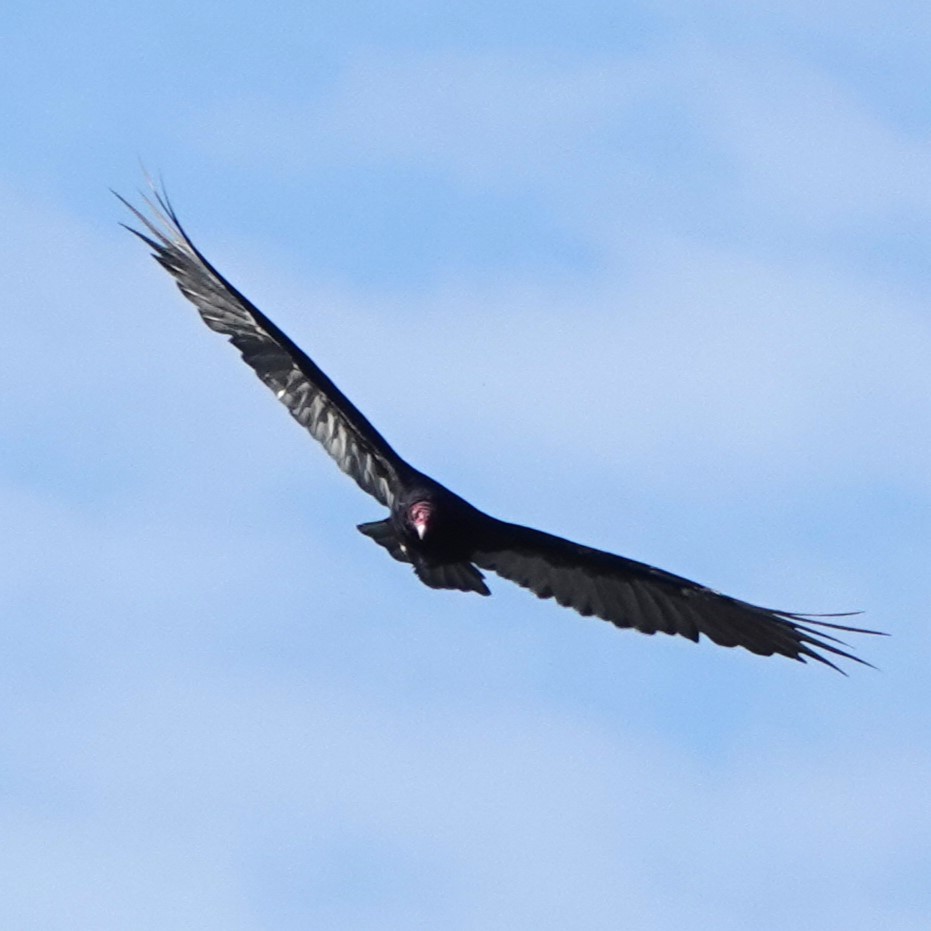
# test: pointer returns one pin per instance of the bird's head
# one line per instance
(420, 517)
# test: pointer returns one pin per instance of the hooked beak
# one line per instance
(419, 516)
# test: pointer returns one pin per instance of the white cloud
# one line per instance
(804, 145)
(490, 119)
(619, 137)
(521, 816)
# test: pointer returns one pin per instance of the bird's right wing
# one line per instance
(632, 594)
(313, 400)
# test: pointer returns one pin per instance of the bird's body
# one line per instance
(447, 540)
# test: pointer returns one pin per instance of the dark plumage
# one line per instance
(446, 539)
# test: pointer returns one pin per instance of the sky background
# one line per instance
(654, 276)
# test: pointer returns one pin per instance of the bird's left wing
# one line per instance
(632, 594)
(313, 400)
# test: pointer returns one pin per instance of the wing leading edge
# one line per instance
(634, 595)
(305, 390)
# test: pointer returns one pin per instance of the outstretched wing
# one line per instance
(632, 594)
(313, 400)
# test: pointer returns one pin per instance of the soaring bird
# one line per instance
(443, 537)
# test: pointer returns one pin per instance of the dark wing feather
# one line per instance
(632, 594)
(459, 576)
(313, 400)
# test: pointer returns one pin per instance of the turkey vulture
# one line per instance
(446, 540)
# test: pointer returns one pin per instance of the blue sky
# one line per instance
(652, 276)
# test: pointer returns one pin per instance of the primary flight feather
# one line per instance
(445, 539)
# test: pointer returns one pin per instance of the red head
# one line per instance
(420, 516)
